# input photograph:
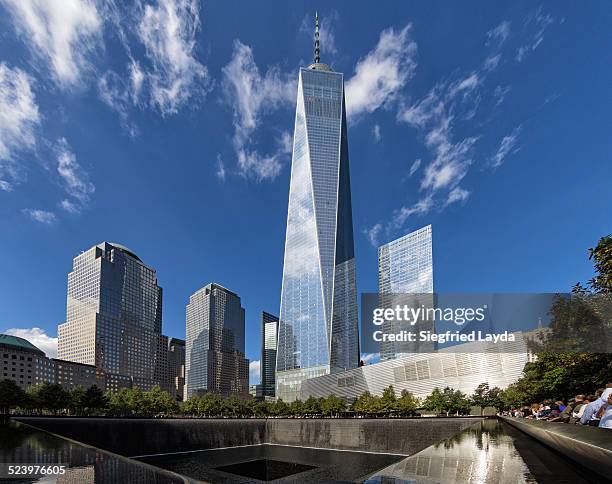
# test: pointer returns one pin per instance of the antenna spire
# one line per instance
(317, 49)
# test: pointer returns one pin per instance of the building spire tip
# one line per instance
(317, 49)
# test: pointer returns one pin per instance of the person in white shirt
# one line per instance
(605, 414)
(590, 412)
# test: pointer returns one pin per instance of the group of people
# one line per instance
(594, 410)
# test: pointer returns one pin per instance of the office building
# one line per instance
(405, 277)
(214, 348)
(269, 329)
(113, 315)
(27, 365)
(24, 363)
(176, 367)
(318, 328)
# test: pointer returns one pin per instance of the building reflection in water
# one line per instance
(22, 444)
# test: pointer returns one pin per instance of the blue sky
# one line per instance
(166, 126)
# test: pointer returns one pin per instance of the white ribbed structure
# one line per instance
(461, 367)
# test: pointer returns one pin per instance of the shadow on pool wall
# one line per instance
(140, 437)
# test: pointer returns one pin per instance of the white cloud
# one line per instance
(19, 119)
(376, 133)
(369, 358)
(464, 86)
(168, 32)
(457, 194)
(251, 95)
(414, 167)
(254, 372)
(64, 33)
(220, 168)
(491, 62)
(423, 206)
(500, 93)
(373, 234)
(506, 147)
(114, 92)
(536, 23)
(74, 179)
(38, 337)
(382, 73)
(42, 216)
(499, 34)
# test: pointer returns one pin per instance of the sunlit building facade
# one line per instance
(113, 314)
(405, 277)
(318, 328)
(214, 348)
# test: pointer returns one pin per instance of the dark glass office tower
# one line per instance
(214, 350)
(318, 330)
(269, 330)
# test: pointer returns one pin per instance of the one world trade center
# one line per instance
(318, 327)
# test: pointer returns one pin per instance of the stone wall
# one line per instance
(137, 437)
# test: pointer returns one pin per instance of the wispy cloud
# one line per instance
(506, 146)
(168, 32)
(373, 234)
(63, 33)
(423, 206)
(38, 215)
(500, 93)
(38, 337)
(535, 26)
(74, 178)
(414, 167)
(252, 95)
(382, 73)
(498, 35)
(19, 120)
(376, 133)
(254, 372)
(220, 168)
(457, 194)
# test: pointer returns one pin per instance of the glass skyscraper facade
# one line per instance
(269, 333)
(214, 348)
(318, 328)
(113, 314)
(405, 276)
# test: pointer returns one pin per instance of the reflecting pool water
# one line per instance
(22, 444)
(488, 452)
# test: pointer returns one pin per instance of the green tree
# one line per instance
(435, 401)
(77, 396)
(11, 396)
(119, 402)
(312, 406)
(210, 405)
(332, 405)
(365, 403)
(297, 408)
(480, 397)
(53, 397)
(191, 406)
(387, 401)
(601, 255)
(94, 399)
(407, 403)
(159, 402)
(512, 397)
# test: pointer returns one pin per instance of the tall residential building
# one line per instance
(176, 367)
(269, 330)
(318, 330)
(113, 314)
(214, 348)
(405, 276)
